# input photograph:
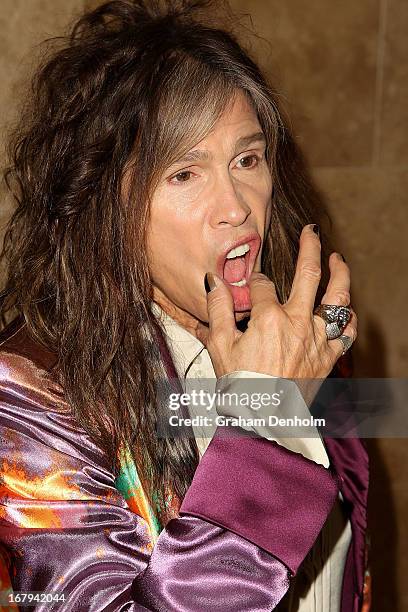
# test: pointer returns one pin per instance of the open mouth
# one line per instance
(236, 264)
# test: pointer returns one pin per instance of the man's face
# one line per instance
(217, 199)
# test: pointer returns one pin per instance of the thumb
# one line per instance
(220, 305)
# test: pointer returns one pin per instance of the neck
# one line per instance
(193, 325)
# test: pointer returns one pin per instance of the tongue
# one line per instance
(234, 269)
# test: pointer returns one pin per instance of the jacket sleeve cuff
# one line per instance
(263, 492)
(306, 441)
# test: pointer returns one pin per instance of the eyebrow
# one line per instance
(202, 155)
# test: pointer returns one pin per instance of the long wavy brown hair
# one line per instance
(132, 87)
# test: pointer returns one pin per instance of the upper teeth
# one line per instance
(238, 251)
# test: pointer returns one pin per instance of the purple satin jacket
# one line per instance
(248, 520)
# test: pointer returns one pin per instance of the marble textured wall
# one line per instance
(342, 69)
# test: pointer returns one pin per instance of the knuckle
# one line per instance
(255, 276)
(343, 297)
(301, 325)
(311, 270)
(268, 316)
(260, 279)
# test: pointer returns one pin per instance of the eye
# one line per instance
(182, 177)
(250, 161)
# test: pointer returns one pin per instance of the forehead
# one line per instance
(220, 118)
(237, 126)
(238, 110)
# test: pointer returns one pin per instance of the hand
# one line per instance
(285, 340)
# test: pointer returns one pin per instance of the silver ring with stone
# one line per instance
(335, 317)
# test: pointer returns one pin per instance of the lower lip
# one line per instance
(241, 297)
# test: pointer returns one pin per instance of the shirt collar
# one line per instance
(183, 346)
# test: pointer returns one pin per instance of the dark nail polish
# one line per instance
(316, 229)
(209, 282)
(343, 258)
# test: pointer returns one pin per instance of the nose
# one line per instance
(230, 207)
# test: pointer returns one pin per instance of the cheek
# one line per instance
(172, 237)
(262, 201)
(261, 182)
(163, 244)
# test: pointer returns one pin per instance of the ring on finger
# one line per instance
(335, 317)
(346, 341)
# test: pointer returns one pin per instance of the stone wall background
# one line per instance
(342, 69)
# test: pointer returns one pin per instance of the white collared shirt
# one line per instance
(318, 584)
